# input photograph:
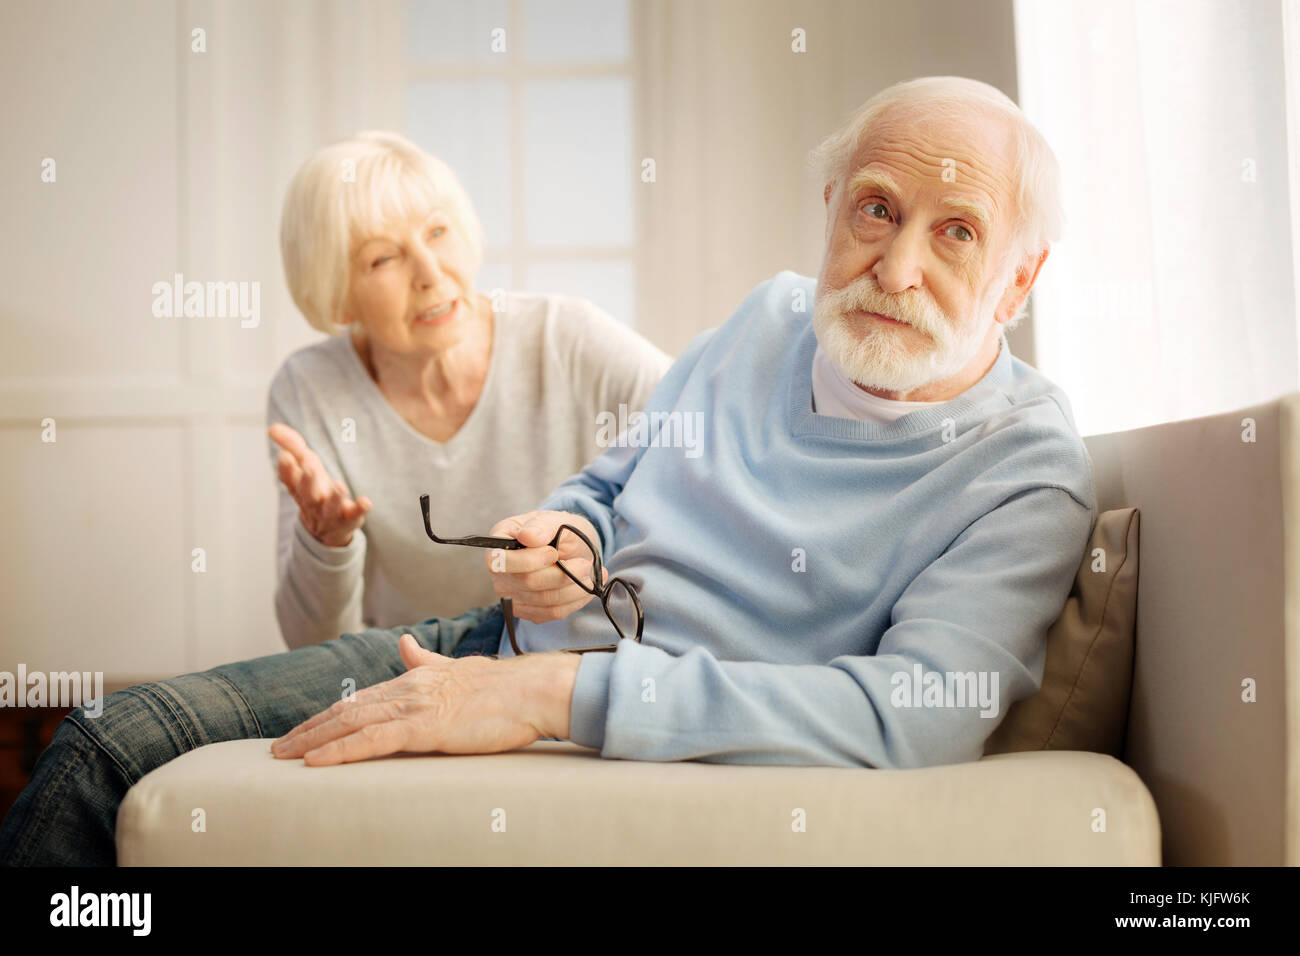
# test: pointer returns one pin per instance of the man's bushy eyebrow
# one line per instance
(872, 179)
(976, 210)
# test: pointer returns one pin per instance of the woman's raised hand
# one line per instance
(326, 509)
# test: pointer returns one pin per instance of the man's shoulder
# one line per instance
(787, 297)
(1036, 437)
(1039, 402)
(774, 309)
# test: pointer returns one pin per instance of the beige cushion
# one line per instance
(1083, 702)
(564, 804)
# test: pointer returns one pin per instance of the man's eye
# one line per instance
(966, 234)
(378, 261)
(868, 206)
(437, 231)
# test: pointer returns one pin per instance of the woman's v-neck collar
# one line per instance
(805, 421)
(442, 452)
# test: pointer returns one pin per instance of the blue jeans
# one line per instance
(67, 814)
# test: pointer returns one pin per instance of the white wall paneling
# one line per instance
(168, 161)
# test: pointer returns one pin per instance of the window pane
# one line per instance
(453, 31)
(577, 153)
(609, 283)
(581, 30)
(466, 125)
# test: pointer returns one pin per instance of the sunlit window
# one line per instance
(530, 102)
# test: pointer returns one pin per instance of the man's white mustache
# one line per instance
(862, 296)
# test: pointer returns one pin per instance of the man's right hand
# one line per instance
(539, 590)
(326, 509)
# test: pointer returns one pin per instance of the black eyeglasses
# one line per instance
(617, 596)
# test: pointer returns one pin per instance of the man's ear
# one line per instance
(1022, 282)
(826, 193)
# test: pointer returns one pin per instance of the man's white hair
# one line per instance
(1039, 214)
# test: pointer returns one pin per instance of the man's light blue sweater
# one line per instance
(822, 590)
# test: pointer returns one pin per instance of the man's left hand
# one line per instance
(465, 705)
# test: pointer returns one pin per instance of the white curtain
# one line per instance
(1173, 292)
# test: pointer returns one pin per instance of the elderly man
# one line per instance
(883, 489)
(881, 493)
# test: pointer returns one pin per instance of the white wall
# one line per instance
(167, 161)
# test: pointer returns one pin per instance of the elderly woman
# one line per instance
(425, 386)
(485, 404)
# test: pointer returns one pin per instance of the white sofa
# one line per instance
(1206, 778)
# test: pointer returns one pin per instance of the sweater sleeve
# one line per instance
(318, 593)
(592, 491)
(980, 611)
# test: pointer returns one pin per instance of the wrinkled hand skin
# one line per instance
(465, 705)
(539, 590)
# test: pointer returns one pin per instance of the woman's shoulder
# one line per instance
(305, 370)
(554, 308)
(561, 320)
(330, 355)
(593, 349)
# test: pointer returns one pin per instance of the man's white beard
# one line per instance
(883, 356)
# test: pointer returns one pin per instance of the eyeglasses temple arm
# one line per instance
(508, 611)
(473, 541)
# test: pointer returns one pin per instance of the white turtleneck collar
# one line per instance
(835, 394)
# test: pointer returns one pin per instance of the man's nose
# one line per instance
(899, 266)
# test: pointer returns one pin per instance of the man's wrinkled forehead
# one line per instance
(963, 166)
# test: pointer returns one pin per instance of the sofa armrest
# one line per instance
(1217, 605)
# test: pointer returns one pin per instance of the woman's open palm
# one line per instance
(327, 510)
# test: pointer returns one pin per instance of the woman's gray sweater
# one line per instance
(556, 364)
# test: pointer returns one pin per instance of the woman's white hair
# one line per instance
(1040, 215)
(349, 191)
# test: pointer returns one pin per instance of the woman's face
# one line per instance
(412, 288)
